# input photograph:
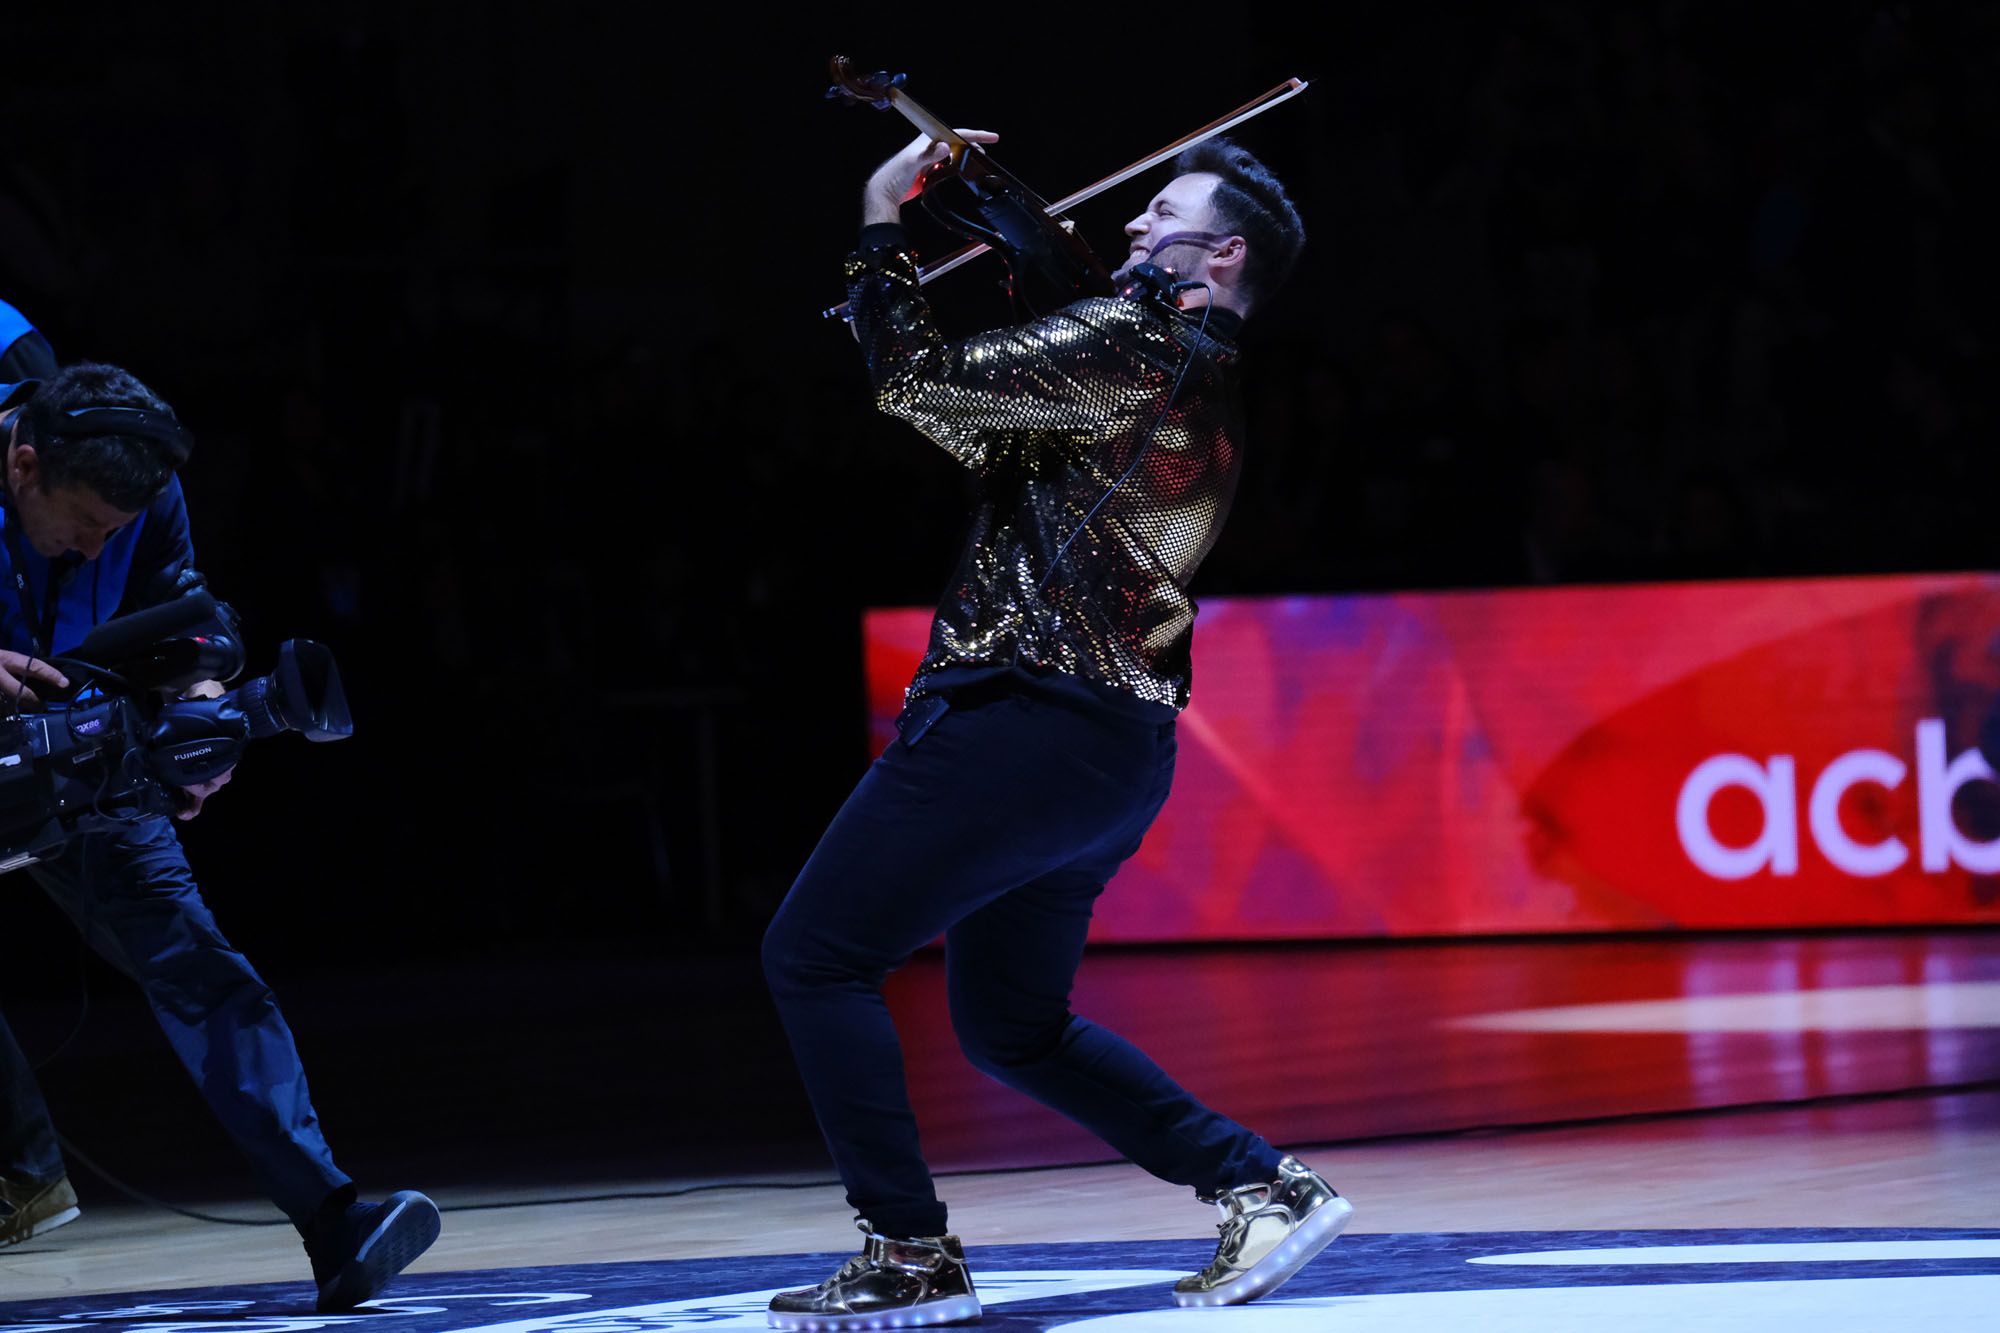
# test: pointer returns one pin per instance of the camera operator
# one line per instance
(94, 524)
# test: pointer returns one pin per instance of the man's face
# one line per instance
(65, 518)
(1181, 205)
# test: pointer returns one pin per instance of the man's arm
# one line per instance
(164, 552)
(28, 357)
(24, 353)
(1047, 376)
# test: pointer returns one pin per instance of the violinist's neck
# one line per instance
(1209, 294)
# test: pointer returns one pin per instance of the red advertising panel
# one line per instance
(1758, 754)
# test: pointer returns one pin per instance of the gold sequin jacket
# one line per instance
(1077, 560)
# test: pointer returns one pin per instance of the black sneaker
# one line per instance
(355, 1252)
(29, 1210)
(890, 1284)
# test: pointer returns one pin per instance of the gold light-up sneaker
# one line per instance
(1268, 1233)
(890, 1284)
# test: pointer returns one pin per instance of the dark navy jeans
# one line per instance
(133, 896)
(997, 829)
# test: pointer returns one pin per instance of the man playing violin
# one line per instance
(1037, 740)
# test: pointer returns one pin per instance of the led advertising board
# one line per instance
(1767, 754)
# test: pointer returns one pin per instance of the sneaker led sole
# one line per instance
(951, 1310)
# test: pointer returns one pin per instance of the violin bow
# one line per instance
(1256, 106)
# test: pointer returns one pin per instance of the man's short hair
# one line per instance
(127, 471)
(1249, 202)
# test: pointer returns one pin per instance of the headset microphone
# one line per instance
(1151, 282)
(1154, 282)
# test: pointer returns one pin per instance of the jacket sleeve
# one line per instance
(28, 357)
(165, 549)
(1080, 373)
(24, 353)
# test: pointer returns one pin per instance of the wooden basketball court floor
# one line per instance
(1909, 1161)
(1745, 1082)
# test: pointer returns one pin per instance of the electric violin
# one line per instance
(1048, 264)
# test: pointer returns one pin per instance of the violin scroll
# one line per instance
(877, 90)
(1048, 265)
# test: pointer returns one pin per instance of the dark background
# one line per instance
(497, 327)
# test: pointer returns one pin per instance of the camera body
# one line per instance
(127, 743)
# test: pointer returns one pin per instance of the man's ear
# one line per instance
(22, 463)
(1228, 257)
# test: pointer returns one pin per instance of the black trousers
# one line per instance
(998, 829)
(132, 895)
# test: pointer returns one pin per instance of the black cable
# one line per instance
(92, 671)
(657, 1194)
(70, 1149)
(21, 685)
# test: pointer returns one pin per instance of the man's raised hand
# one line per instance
(896, 180)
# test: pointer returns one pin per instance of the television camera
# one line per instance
(123, 743)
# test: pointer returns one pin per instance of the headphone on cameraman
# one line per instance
(157, 427)
(161, 428)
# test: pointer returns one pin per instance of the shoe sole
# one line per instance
(411, 1227)
(952, 1310)
(46, 1224)
(1317, 1232)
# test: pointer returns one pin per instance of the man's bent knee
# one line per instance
(798, 962)
(1002, 1049)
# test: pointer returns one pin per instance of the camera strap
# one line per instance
(41, 628)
